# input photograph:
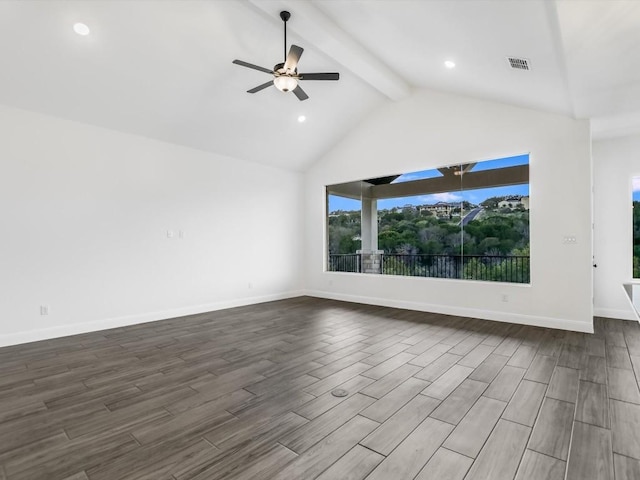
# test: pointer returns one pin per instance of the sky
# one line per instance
(472, 196)
(636, 189)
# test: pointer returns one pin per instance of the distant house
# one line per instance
(514, 202)
(440, 209)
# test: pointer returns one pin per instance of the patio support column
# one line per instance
(369, 224)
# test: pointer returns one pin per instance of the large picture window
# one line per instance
(636, 227)
(467, 221)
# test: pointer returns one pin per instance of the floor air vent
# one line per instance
(519, 63)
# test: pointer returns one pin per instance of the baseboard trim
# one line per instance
(107, 323)
(615, 313)
(534, 320)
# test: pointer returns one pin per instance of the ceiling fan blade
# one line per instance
(261, 87)
(319, 76)
(251, 65)
(300, 93)
(294, 56)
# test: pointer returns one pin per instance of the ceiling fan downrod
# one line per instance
(285, 16)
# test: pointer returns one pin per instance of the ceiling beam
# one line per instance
(316, 28)
(553, 17)
(497, 177)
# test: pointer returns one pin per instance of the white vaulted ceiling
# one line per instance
(162, 69)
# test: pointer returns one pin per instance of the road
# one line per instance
(470, 216)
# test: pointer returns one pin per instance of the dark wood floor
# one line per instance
(245, 394)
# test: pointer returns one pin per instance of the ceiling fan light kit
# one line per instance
(285, 75)
(285, 83)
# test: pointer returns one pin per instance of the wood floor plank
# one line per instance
(458, 403)
(591, 457)
(618, 357)
(525, 404)
(379, 388)
(489, 368)
(332, 381)
(508, 346)
(536, 466)
(523, 356)
(445, 465)
(593, 404)
(430, 355)
(77, 476)
(312, 432)
(448, 382)
(383, 408)
(228, 461)
(386, 354)
(467, 345)
(435, 369)
(221, 403)
(625, 425)
(595, 346)
(388, 366)
(424, 345)
(393, 431)
(552, 431)
(625, 468)
(476, 356)
(541, 369)
(196, 421)
(414, 452)
(474, 429)
(337, 365)
(68, 459)
(595, 370)
(327, 401)
(564, 384)
(320, 457)
(149, 461)
(230, 435)
(500, 456)
(622, 385)
(268, 464)
(505, 383)
(355, 465)
(635, 361)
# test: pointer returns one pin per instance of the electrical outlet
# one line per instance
(250, 285)
(170, 233)
(44, 309)
(181, 233)
(505, 297)
(569, 240)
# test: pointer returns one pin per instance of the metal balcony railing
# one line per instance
(495, 268)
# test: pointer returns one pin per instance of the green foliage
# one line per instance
(344, 232)
(491, 202)
(497, 232)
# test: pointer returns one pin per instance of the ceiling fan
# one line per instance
(286, 76)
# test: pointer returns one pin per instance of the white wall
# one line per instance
(430, 130)
(615, 162)
(85, 214)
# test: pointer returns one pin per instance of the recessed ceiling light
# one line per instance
(81, 29)
(301, 118)
(450, 64)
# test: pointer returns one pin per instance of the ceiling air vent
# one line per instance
(519, 63)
